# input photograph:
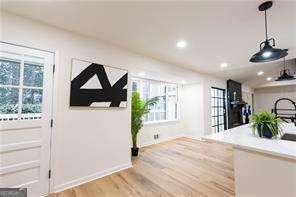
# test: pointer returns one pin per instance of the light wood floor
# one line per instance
(182, 167)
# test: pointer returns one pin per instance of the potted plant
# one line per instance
(266, 124)
(139, 109)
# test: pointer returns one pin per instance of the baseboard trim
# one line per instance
(160, 141)
(91, 177)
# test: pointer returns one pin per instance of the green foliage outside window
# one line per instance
(10, 87)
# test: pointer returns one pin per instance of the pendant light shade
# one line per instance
(267, 51)
(285, 74)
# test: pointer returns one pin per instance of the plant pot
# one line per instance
(265, 132)
(135, 151)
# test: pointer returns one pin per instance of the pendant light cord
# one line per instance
(265, 25)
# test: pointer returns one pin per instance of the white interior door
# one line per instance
(26, 79)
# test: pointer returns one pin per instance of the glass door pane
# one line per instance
(218, 109)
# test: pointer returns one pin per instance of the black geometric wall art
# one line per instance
(96, 85)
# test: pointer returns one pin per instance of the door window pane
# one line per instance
(9, 72)
(221, 111)
(218, 102)
(33, 75)
(9, 100)
(32, 101)
(221, 121)
(21, 86)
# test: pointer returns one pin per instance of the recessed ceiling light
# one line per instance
(183, 82)
(223, 65)
(181, 44)
(141, 74)
(260, 73)
(268, 78)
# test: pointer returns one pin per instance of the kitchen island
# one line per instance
(262, 167)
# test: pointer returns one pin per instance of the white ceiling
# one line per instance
(215, 31)
(248, 75)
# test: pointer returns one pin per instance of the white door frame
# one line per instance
(54, 118)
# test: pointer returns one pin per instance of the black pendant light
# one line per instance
(285, 74)
(267, 51)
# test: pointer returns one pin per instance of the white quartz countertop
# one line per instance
(242, 137)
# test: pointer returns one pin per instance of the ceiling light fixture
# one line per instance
(181, 44)
(267, 51)
(285, 74)
(268, 78)
(223, 65)
(260, 73)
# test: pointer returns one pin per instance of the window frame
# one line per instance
(138, 81)
(22, 60)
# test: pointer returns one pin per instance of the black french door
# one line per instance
(218, 109)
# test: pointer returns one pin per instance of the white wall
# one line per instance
(85, 139)
(166, 130)
(264, 98)
(192, 118)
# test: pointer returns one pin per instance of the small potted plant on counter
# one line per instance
(267, 125)
(139, 109)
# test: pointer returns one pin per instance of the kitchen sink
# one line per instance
(289, 137)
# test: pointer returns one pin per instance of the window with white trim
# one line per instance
(166, 108)
(21, 87)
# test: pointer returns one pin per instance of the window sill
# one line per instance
(160, 122)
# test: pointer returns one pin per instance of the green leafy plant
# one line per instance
(266, 124)
(139, 109)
